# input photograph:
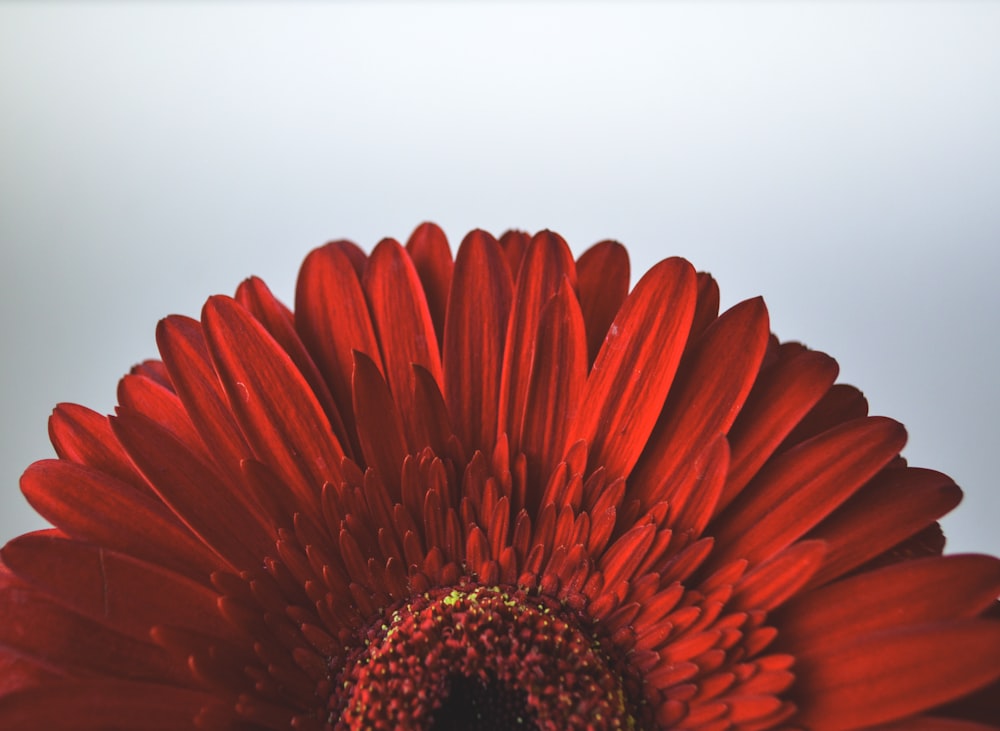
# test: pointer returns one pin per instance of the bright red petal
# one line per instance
(474, 339)
(635, 368)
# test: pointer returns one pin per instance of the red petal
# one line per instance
(474, 339)
(931, 723)
(380, 429)
(558, 375)
(35, 627)
(277, 411)
(433, 427)
(210, 509)
(111, 588)
(145, 396)
(912, 592)
(897, 504)
(101, 704)
(182, 345)
(84, 436)
(706, 396)
(402, 320)
(783, 394)
(154, 370)
(94, 507)
(841, 403)
(708, 304)
(694, 499)
(773, 582)
(278, 320)
(331, 315)
(546, 263)
(428, 248)
(891, 675)
(603, 278)
(802, 486)
(514, 244)
(635, 367)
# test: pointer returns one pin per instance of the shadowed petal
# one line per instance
(603, 278)
(111, 588)
(217, 514)
(890, 675)
(94, 507)
(920, 591)
(137, 706)
(380, 429)
(428, 248)
(783, 393)
(896, 504)
(802, 486)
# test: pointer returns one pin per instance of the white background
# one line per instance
(842, 159)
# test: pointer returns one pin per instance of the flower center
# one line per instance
(483, 658)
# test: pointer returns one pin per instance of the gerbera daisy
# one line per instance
(497, 492)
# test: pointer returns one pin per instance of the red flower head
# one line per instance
(498, 493)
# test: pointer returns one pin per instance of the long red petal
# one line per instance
(276, 410)
(558, 374)
(546, 263)
(780, 577)
(896, 504)
(147, 397)
(635, 367)
(474, 339)
(36, 627)
(402, 320)
(83, 436)
(111, 588)
(202, 500)
(891, 675)
(279, 321)
(921, 591)
(708, 392)
(783, 394)
(182, 344)
(94, 507)
(332, 317)
(802, 486)
(101, 704)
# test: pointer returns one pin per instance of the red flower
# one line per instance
(493, 494)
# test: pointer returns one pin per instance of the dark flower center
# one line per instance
(483, 658)
(487, 706)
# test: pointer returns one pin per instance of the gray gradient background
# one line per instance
(841, 159)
